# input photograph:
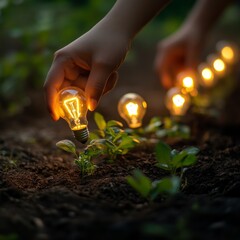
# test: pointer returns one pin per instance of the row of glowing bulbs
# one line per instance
(132, 107)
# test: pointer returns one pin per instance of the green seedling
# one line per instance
(110, 139)
(82, 159)
(162, 128)
(151, 189)
(172, 160)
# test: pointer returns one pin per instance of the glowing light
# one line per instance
(187, 81)
(227, 53)
(73, 108)
(207, 76)
(219, 65)
(177, 102)
(132, 109)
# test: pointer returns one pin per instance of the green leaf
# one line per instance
(164, 166)
(126, 143)
(140, 183)
(163, 153)
(153, 125)
(113, 123)
(67, 146)
(100, 121)
(178, 159)
(192, 150)
(161, 133)
(93, 135)
(189, 160)
(168, 185)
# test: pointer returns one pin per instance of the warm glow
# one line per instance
(132, 109)
(219, 65)
(72, 106)
(188, 82)
(207, 74)
(178, 100)
(227, 53)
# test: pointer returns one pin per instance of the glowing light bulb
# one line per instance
(187, 81)
(132, 109)
(207, 78)
(218, 65)
(228, 52)
(73, 108)
(177, 102)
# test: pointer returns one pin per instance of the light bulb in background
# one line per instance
(132, 109)
(217, 64)
(73, 108)
(228, 51)
(207, 76)
(177, 102)
(187, 81)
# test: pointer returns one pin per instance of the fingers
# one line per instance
(52, 85)
(96, 84)
(163, 68)
(112, 80)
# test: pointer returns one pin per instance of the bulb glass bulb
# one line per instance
(207, 76)
(228, 52)
(187, 81)
(73, 108)
(177, 102)
(217, 64)
(132, 109)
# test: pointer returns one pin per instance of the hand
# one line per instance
(90, 63)
(179, 52)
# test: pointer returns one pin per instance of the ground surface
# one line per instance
(43, 197)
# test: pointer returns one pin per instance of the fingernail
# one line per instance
(92, 104)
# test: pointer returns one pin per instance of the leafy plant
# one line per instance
(82, 159)
(110, 139)
(172, 160)
(169, 160)
(162, 128)
(151, 189)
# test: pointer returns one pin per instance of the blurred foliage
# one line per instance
(31, 31)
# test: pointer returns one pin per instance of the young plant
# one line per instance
(162, 128)
(172, 160)
(151, 189)
(110, 139)
(82, 159)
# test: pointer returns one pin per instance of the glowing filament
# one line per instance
(188, 82)
(219, 65)
(73, 107)
(132, 109)
(178, 100)
(227, 53)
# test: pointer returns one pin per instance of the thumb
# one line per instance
(95, 85)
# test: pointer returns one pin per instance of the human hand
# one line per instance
(181, 51)
(90, 63)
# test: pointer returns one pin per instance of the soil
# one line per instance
(43, 197)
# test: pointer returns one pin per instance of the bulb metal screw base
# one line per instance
(81, 135)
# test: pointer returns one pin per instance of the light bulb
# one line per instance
(207, 76)
(217, 64)
(177, 102)
(228, 52)
(73, 108)
(132, 109)
(187, 81)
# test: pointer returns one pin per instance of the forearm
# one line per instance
(129, 16)
(205, 13)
